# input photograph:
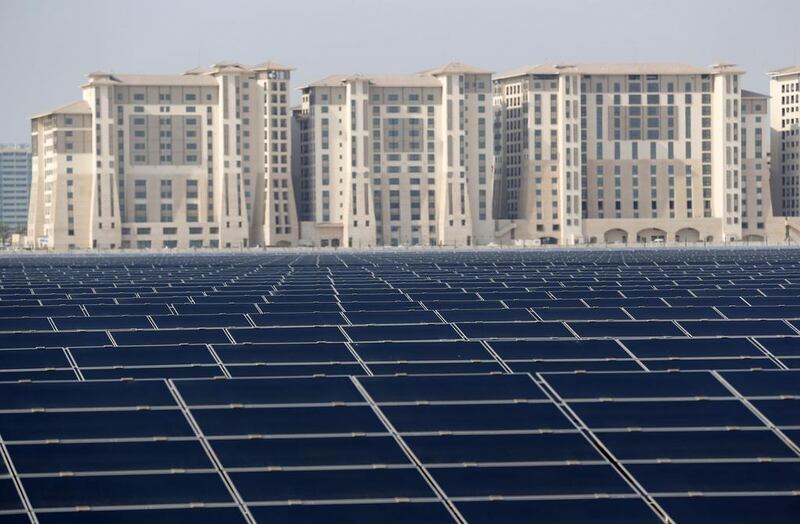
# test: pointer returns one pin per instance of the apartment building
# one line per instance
(15, 182)
(785, 140)
(200, 159)
(595, 153)
(389, 160)
(756, 203)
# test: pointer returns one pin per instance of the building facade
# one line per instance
(619, 153)
(396, 160)
(785, 140)
(756, 179)
(15, 183)
(550, 154)
(201, 159)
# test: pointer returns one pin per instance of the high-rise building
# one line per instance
(201, 159)
(756, 187)
(619, 153)
(396, 160)
(784, 93)
(15, 183)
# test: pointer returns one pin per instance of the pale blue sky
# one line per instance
(48, 46)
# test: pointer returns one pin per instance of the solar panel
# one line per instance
(398, 512)
(199, 515)
(398, 386)
(572, 510)
(356, 450)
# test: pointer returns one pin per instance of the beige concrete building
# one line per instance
(785, 140)
(756, 188)
(201, 159)
(619, 153)
(396, 159)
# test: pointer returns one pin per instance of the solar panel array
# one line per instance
(445, 386)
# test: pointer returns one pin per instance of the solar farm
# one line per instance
(494, 386)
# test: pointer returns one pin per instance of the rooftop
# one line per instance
(419, 80)
(612, 69)
(456, 68)
(790, 70)
(752, 94)
(79, 107)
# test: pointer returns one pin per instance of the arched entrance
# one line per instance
(687, 234)
(616, 236)
(651, 235)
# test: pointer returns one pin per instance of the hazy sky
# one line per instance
(47, 47)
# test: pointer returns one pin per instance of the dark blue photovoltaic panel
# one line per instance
(331, 318)
(393, 317)
(222, 320)
(402, 332)
(626, 328)
(275, 391)
(331, 485)
(38, 375)
(719, 364)
(18, 311)
(119, 490)
(782, 412)
(33, 358)
(421, 351)
(108, 310)
(142, 356)
(486, 315)
(294, 370)
(213, 309)
(665, 414)
(737, 509)
(761, 312)
(765, 384)
(286, 334)
(718, 477)
(25, 324)
(283, 353)
(155, 372)
(477, 417)
(9, 498)
(693, 347)
(430, 336)
(733, 444)
(514, 329)
(485, 387)
(109, 456)
(53, 340)
(637, 385)
(301, 307)
(782, 346)
(84, 395)
(435, 368)
(560, 366)
(93, 424)
(288, 421)
(457, 449)
(673, 313)
(625, 302)
(537, 480)
(151, 516)
(581, 313)
(389, 513)
(120, 322)
(566, 511)
(335, 451)
(169, 336)
(557, 349)
(705, 328)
